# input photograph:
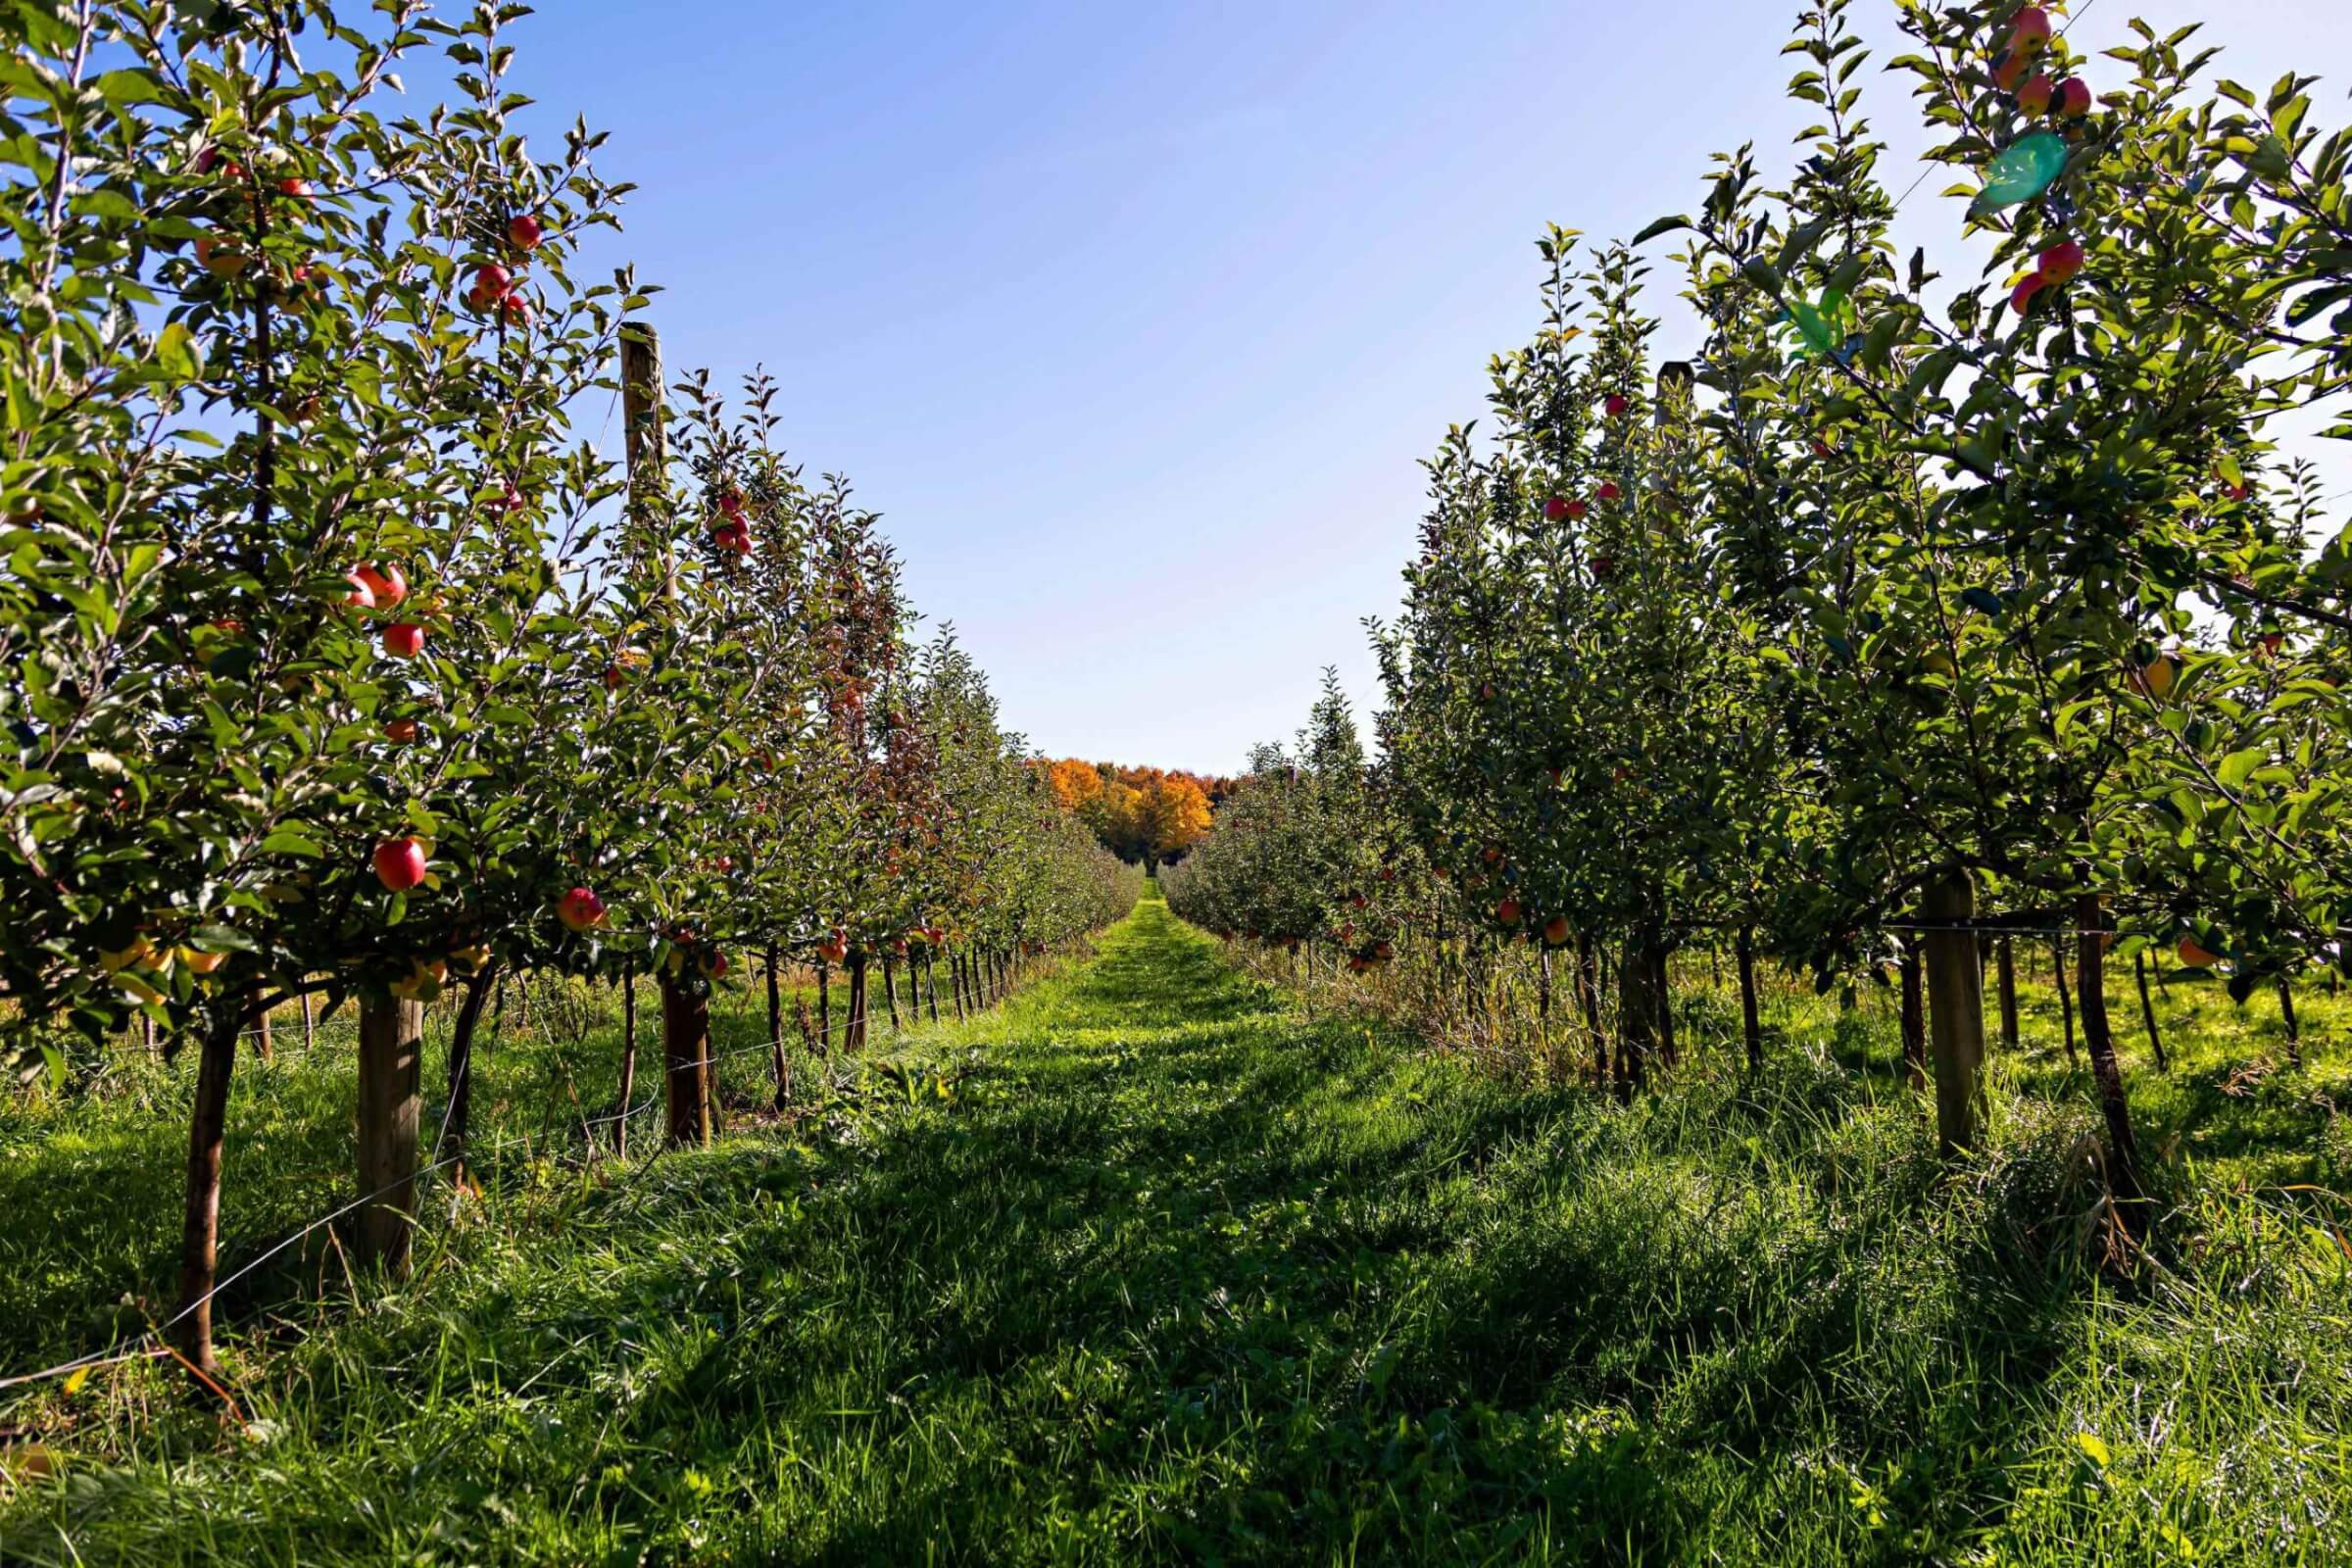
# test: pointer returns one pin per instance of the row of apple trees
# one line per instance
(337, 661)
(1914, 610)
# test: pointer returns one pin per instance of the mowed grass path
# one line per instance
(1148, 1268)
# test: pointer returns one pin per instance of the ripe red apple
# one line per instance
(2060, 262)
(580, 910)
(2195, 956)
(1577, 510)
(290, 186)
(2010, 70)
(1555, 931)
(1492, 855)
(2033, 31)
(1555, 507)
(516, 310)
(363, 593)
(386, 583)
(1608, 492)
(612, 677)
(1821, 447)
(480, 301)
(493, 281)
(1508, 912)
(2022, 299)
(403, 639)
(2073, 98)
(715, 964)
(1616, 405)
(401, 731)
(2035, 95)
(524, 232)
(400, 863)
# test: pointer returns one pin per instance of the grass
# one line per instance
(1150, 1266)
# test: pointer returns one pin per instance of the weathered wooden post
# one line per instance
(391, 1063)
(1955, 1009)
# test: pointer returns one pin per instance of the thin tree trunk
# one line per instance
(1588, 987)
(200, 1223)
(2294, 1027)
(1668, 1048)
(856, 1022)
(686, 1066)
(781, 1061)
(890, 989)
(1751, 1027)
(628, 1056)
(1637, 1010)
(310, 1024)
(391, 1083)
(2065, 1002)
(266, 1044)
(2147, 1009)
(2106, 1068)
(956, 983)
(2005, 962)
(457, 1119)
(931, 979)
(1915, 1022)
(824, 1006)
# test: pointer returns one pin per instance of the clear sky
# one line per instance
(1134, 319)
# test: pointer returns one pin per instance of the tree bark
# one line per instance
(457, 1119)
(824, 1006)
(200, 1224)
(855, 1024)
(781, 1062)
(686, 1066)
(2147, 1009)
(2065, 1002)
(2005, 960)
(1670, 1049)
(2106, 1068)
(628, 1057)
(391, 1081)
(266, 1044)
(1588, 987)
(931, 975)
(956, 983)
(1751, 1027)
(1915, 1022)
(2294, 1027)
(890, 989)
(1955, 1009)
(309, 1025)
(1637, 1008)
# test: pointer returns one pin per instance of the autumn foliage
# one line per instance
(1145, 814)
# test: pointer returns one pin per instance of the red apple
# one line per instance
(2060, 262)
(580, 910)
(400, 863)
(401, 731)
(2010, 70)
(1615, 405)
(2022, 300)
(386, 583)
(1555, 931)
(524, 232)
(715, 964)
(2195, 956)
(2073, 98)
(220, 257)
(1555, 507)
(517, 310)
(290, 186)
(1821, 447)
(2035, 95)
(1508, 912)
(1608, 492)
(1577, 510)
(2033, 31)
(362, 592)
(403, 639)
(493, 281)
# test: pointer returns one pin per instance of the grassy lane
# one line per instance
(1148, 1268)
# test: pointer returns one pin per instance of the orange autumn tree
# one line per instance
(1143, 814)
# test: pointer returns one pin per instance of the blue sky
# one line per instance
(1134, 321)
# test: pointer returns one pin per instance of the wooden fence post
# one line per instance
(391, 1063)
(1915, 1022)
(685, 1055)
(1955, 1009)
(2005, 960)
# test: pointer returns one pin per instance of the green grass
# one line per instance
(1152, 1267)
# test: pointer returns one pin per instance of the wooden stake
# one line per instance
(391, 1064)
(1915, 1022)
(2148, 1010)
(2065, 1002)
(1750, 1027)
(2005, 959)
(1955, 1010)
(200, 1224)
(2106, 1067)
